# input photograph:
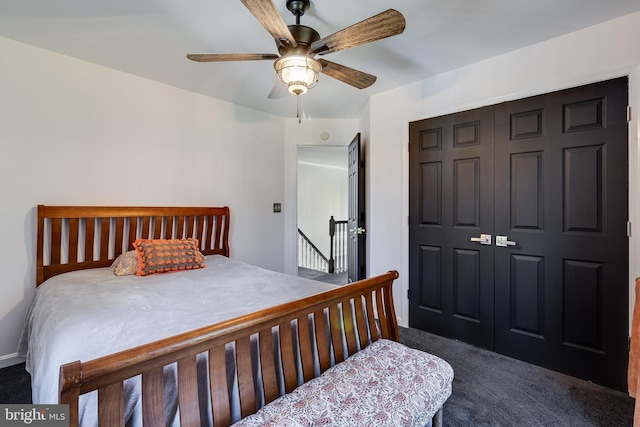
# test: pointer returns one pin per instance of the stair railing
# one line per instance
(309, 256)
(338, 235)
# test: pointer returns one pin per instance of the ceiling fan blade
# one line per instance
(220, 57)
(279, 90)
(267, 13)
(386, 24)
(347, 75)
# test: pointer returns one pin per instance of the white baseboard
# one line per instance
(402, 322)
(10, 360)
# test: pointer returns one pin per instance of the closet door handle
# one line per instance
(502, 241)
(484, 239)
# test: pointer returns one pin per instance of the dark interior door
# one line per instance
(556, 272)
(356, 221)
(562, 288)
(451, 203)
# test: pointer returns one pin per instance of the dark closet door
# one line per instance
(451, 203)
(561, 197)
(546, 179)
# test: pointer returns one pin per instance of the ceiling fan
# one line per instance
(296, 66)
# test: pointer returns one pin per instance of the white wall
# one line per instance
(597, 53)
(341, 132)
(76, 133)
(73, 133)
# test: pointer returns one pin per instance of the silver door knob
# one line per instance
(484, 239)
(502, 241)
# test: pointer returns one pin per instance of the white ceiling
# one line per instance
(150, 38)
(324, 156)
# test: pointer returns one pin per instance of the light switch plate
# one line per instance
(277, 207)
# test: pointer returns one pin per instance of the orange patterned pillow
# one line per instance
(161, 256)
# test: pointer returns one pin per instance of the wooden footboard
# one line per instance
(296, 341)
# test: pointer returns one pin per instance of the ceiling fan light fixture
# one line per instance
(299, 73)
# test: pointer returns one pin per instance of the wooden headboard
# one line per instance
(79, 237)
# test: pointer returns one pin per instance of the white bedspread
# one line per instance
(92, 313)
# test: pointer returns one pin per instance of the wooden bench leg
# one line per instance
(436, 421)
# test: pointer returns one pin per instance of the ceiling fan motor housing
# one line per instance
(304, 37)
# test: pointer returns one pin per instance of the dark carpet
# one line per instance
(494, 390)
(488, 390)
(15, 385)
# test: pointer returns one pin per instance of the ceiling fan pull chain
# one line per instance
(298, 109)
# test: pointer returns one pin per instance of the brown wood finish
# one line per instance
(352, 311)
(79, 230)
(385, 24)
(304, 331)
(152, 397)
(350, 76)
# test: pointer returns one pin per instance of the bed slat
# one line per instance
(153, 398)
(304, 343)
(56, 240)
(349, 327)
(267, 365)
(146, 225)
(360, 321)
(111, 405)
(371, 317)
(73, 240)
(157, 227)
(245, 377)
(89, 225)
(105, 225)
(390, 310)
(169, 225)
(201, 228)
(219, 222)
(133, 233)
(219, 395)
(190, 225)
(336, 333)
(188, 392)
(381, 314)
(321, 340)
(180, 228)
(286, 355)
(117, 247)
(205, 241)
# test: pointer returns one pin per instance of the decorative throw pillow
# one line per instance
(161, 256)
(126, 263)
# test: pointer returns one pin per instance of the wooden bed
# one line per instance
(297, 340)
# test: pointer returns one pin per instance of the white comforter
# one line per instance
(92, 313)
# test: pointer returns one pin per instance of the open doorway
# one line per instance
(322, 187)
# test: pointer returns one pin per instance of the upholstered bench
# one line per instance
(385, 384)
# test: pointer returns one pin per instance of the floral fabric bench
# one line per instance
(385, 384)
